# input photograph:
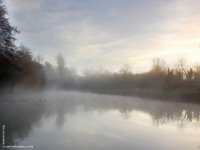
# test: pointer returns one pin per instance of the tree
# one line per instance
(7, 31)
(125, 69)
(158, 65)
(197, 72)
(39, 59)
(61, 65)
(24, 54)
(182, 66)
(60, 61)
(30, 70)
(9, 70)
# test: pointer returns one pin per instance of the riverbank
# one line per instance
(172, 95)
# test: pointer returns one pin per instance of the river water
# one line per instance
(69, 120)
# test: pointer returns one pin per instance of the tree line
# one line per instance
(180, 79)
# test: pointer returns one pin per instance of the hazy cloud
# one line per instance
(108, 34)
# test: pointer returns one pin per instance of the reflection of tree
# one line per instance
(19, 117)
(21, 113)
(161, 112)
(183, 118)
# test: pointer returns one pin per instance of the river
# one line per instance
(70, 120)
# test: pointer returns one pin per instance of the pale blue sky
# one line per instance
(108, 33)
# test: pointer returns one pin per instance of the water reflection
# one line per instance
(161, 112)
(19, 114)
(22, 113)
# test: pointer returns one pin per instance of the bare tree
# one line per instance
(125, 69)
(159, 65)
(30, 72)
(24, 54)
(61, 65)
(197, 72)
(60, 60)
(182, 67)
(39, 59)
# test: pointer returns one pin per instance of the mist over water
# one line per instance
(49, 105)
(58, 119)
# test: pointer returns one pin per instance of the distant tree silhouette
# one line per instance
(125, 69)
(197, 72)
(158, 65)
(190, 74)
(182, 67)
(61, 64)
(39, 59)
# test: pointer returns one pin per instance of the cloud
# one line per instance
(108, 34)
(22, 5)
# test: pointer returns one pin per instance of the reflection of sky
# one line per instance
(107, 34)
(74, 120)
(108, 130)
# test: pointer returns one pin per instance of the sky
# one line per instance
(105, 34)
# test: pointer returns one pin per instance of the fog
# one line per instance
(19, 68)
(57, 106)
(179, 82)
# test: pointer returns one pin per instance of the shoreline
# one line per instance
(189, 97)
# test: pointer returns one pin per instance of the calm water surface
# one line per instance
(60, 120)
